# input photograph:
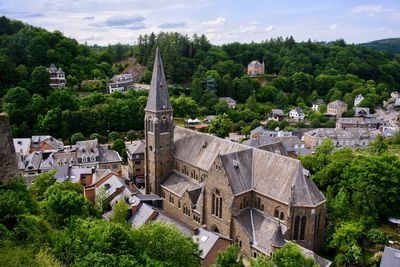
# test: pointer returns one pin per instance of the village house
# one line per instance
(120, 83)
(229, 100)
(238, 192)
(336, 108)
(359, 122)
(57, 77)
(351, 137)
(358, 99)
(317, 104)
(255, 68)
(276, 115)
(297, 114)
(46, 153)
(135, 153)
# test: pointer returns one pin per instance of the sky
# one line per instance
(105, 22)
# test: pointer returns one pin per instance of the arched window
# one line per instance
(193, 174)
(215, 229)
(216, 207)
(186, 210)
(299, 227)
(282, 216)
(276, 213)
(316, 224)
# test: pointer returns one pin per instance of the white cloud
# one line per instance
(368, 9)
(270, 28)
(333, 26)
(217, 21)
(172, 25)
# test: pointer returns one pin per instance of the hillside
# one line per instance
(387, 45)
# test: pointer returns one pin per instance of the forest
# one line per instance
(197, 71)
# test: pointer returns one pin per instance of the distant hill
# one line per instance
(389, 45)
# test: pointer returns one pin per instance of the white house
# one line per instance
(316, 104)
(358, 99)
(297, 114)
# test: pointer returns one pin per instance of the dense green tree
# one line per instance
(63, 200)
(76, 137)
(184, 107)
(113, 136)
(40, 81)
(119, 146)
(120, 212)
(230, 257)
(291, 256)
(41, 182)
(131, 135)
(220, 126)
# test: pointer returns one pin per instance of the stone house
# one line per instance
(120, 83)
(336, 108)
(276, 115)
(57, 77)
(245, 194)
(351, 137)
(359, 122)
(229, 100)
(255, 68)
(135, 153)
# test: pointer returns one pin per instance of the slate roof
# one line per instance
(179, 183)
(238, 166)
(22, 145)
(142, 215)
(390, 258)
(256, 63)
(277, 239)
(32, 161)
(333, 133)
(228, 100)
(336, 104)
(200, 149)
(259, 228)
(108, 155)
(278, 112)
(87, 147)
(136, 147)
(247, 169)
(158, 94)
(206, 241)
(51, 141)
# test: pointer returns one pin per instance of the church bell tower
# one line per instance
(159, 130)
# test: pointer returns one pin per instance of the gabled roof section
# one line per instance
(199, 149)
(284, 174)
(179, 184)
(158, 95)
(238, 167)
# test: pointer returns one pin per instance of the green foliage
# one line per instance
(41, 183)
(120, 212)
(113, 136)
(291, 256)
(131, 135)
(230, 257)
(221, 126)
(184, 106)
(326, 147)
(379, 145)
(261, 261)
(376, 236)
(76, 137)
(65, 200)
(119, 146)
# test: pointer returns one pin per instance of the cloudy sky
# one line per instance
(222, 21)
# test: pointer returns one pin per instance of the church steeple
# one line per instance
(158, 95)
(159, 130)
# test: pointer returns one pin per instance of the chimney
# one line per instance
(89, 193)
(135, 207)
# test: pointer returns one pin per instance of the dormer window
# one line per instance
(107, 186)
(92, 157)
(84, 158)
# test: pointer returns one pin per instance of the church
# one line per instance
(255, 198)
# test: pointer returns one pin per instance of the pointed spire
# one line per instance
(158, 95)
(277, 239)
